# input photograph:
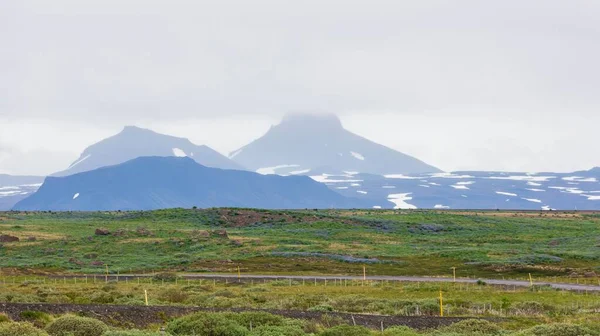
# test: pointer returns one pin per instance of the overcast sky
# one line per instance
(462, 85)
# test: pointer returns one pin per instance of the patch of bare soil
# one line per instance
(142, 316)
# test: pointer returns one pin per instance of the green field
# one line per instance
(430, 243)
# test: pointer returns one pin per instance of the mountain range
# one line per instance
(148, 183)
(360, 171)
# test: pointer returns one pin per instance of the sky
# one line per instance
(506, 85)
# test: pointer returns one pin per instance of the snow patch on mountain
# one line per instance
(362, 192)
(299, 172)
(592, 197)
(232, 155)
(441, 206)
(400, 176)
(451, 176)
(80, 161)
(325, 178)
(271, 170)
(505, 193)
(76, 195)
(534, 189)
(400, 201)
(580, 179)
(535, 200)
(523, 178)
(179, 152)
(358, 156)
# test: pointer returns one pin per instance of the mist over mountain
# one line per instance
(133, 142)
(307, 143)
(168, 182)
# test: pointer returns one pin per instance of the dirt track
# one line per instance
(142, 316)
(323, 278)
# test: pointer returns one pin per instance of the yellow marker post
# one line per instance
(239, 273)
(530, 280)
(454, 273)
(364, 273)
(441, 304)
(146, 296)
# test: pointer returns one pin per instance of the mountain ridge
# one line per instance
(148, 183)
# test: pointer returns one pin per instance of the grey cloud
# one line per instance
(111, 63)
(142, 59)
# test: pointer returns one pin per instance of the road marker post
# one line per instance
(454, 273)
(106, 276)
(146, 296)
(441, 304)
(530, 280)
(239, 273)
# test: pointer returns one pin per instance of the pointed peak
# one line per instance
(312, 119)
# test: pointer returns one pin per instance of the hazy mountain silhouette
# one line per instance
(319, 142)
(167, 182)
(15, 188)
(133, 142)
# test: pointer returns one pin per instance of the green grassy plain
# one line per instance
(484, 244)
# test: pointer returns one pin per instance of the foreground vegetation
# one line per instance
(51, 258)
(265, 324)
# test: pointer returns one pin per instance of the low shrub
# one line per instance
(38, 318)
(132, 333)
(259, 319)
(346, 330)
(560, 329)
(210, 324)
(166, 277)
(20, 329)
(71, 325)
(473, 327)
(399, 331)
(4, 318)
(277, 331)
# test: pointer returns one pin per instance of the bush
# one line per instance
(4, 318)
(166, 277)
(131, 333)
(209, 324)
(173, 295)
(20, 329)
(38, 318)
(346, 330)
(400, 331)
(473, 327)
(277, 331)
(76, 326)
(561, 329)
(259, 319)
